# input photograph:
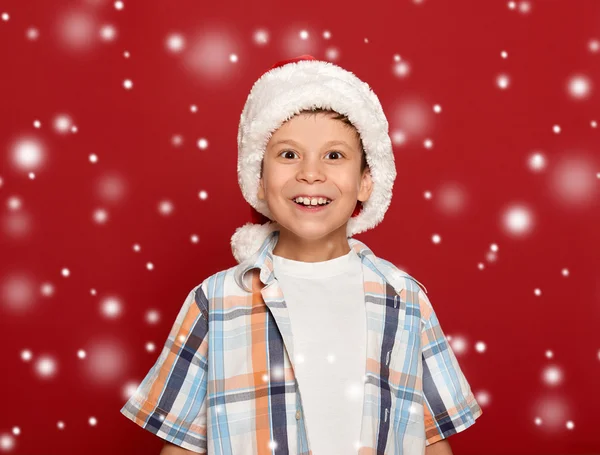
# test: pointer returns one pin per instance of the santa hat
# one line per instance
(286, 89)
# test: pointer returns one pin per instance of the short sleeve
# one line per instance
(171, 400)
(449, 404)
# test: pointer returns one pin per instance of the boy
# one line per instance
(360, 335)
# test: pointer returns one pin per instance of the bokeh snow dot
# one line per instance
(129, 389)
(111, 187)
(45, 366)
(261, 37)
(177, 140)
(483, 398)
(32, 33)
(152, 316)
(458, 344)
(175, 42)
(503, 81)
(537, 162)
(451, 198)
(28, 154)
(26, 355)
(208, 55)
(18, 292)
(165, 207)
(518, 220)
(579, 86)
(398, 137)
(202, 143)
(100, 216)
(572, 181)
(62, 123)
(111, 307)
(552, 375)
(108, 33)
(7, 442)
(491, 256)
(401, 69)
(77, 29)
(105, 361)
(524, 7)
(332, 53)
(480, 346)
(14, 203)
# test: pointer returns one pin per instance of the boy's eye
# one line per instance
(291, 151)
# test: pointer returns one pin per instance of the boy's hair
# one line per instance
(343, 118)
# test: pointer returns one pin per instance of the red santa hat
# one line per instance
(287, 88)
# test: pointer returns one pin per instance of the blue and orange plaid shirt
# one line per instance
(224, 382)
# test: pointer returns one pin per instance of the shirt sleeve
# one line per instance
(449, 404)
(171, 400)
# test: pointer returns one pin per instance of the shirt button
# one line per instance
(297, 415)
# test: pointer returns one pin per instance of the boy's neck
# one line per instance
(291, 246)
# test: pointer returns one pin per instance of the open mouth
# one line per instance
(311, 207)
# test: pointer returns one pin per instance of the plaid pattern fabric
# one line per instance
(224, 382)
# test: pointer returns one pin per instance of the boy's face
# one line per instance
(313, 154)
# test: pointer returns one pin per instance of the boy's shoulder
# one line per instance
(222, 277)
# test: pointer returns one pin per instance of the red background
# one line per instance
(482, 139)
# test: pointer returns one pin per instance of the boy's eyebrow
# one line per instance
(296, 144)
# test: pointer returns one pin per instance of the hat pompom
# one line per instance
(248, 239)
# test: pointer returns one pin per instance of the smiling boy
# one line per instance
(312, 344)
(314, 156)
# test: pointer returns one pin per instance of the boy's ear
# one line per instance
(366, 186)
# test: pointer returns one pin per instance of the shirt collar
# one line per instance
(263, 261)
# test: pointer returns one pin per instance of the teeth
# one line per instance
(312, 201)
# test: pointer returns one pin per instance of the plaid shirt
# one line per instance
(224, 382)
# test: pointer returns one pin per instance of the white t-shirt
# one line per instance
(326, 306)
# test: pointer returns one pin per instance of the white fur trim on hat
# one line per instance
(283, 92)
(249, 238)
